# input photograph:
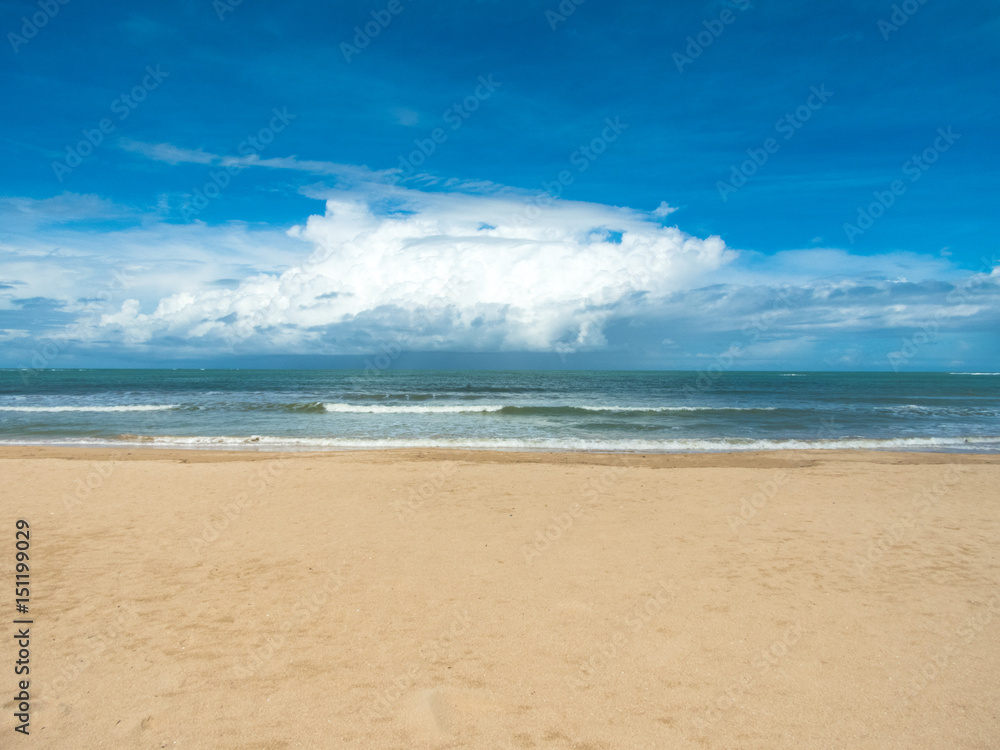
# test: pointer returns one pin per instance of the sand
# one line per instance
(459, 599)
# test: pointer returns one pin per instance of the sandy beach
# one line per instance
(504, 600)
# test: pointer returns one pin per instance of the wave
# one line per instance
(368, 396)
(341, 408)
(689, 445)
(132, 407)
(940, 410)
(639, 409)
(380, 409)
(974, 373)
(319, 407)
(302, 407)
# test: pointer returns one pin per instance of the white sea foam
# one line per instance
(488, 408)
(380, 409)
(539, 444)
(132, 407)
(674, 408)
(940, 410)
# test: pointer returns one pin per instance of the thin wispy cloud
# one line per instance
(171, 154)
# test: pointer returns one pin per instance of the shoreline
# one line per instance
(691, 459)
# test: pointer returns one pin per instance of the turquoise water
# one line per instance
(516, 410)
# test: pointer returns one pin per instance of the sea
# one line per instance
(501, 410)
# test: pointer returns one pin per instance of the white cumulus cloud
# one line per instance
(486, 272)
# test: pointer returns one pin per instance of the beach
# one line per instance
(427, 598)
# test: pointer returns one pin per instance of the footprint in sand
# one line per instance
(439, 713)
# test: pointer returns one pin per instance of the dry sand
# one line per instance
(459, 599)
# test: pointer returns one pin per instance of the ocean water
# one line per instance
(515, 410)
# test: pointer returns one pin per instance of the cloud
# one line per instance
(406, 117)
(28, 213)
(171, 154)
(478, 272)
(800, 266)
(36, 303)
(474, 267)
(842, 306)
(61, 249)
(168, 153)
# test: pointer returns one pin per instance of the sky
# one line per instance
(746, 184)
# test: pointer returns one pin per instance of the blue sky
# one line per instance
(760, 184)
